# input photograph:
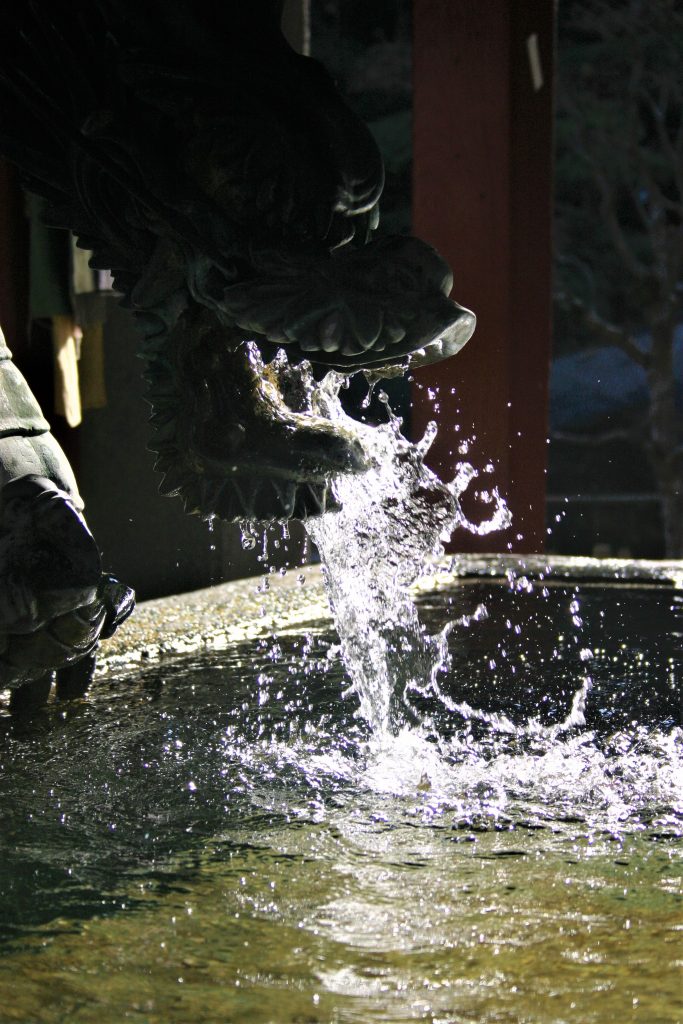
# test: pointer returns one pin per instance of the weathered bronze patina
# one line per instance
(234, 195)
(221, 178)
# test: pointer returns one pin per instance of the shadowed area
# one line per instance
(233, 194)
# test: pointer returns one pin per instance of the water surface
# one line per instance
(223, 841)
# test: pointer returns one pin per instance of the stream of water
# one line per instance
(393, 521)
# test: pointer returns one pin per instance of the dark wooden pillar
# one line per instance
(483, 74)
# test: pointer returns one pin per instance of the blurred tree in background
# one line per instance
(620, 208)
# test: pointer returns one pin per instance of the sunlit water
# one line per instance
(392, 519)
(488, 827)
(221, 841)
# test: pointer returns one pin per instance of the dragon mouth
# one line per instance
(239, 444)
(236, 436)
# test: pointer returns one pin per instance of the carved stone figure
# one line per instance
(55, 601)
(234, 195)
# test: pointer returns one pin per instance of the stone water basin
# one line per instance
(212, 835)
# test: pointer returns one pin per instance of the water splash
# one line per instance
(393, 517)
(388, 531)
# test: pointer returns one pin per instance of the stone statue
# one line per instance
(234, 196)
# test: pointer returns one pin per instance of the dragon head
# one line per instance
(234, 196)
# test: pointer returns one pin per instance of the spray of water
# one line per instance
(391, 523)
(392, 519)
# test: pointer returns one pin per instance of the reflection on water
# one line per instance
(223, 842)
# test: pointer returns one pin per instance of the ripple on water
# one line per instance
(233, 820)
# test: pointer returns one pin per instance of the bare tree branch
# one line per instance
(609, 333)
(635, 266)
(672, 152)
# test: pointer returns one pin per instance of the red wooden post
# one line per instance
(483, 74)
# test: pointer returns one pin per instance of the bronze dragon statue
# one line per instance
(222, 179)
